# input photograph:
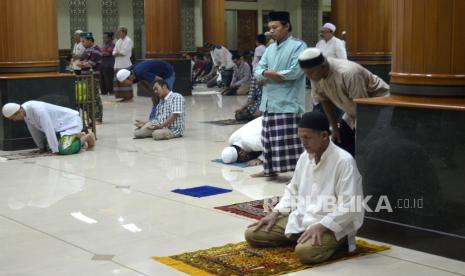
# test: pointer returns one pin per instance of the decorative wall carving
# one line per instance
(110, 15)
(138, 13)
(310, 28)
(77, 16)
(188, 26)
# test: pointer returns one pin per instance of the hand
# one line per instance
(154, 127)
(272, 75)
(261, 83)
(139, 124)
(314, 232)
(254, 162)
(269, 221)
(336, 135)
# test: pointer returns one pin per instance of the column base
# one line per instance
(410, 153)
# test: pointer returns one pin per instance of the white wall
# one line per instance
(325, 6)
(231, 29)
(292, 6)
(126, 16)
(198, 21)
(64, 39)
(94, 20)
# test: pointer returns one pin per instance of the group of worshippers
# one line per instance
(233, 74)
(289, 140)
(106, 61)
(317, 147)
(59, 130)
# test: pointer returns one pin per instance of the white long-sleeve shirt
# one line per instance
(335, 177)
(124, 47)
(78, 50)
(333, 48)
(222, 58)
(45, 120)
(257, 55)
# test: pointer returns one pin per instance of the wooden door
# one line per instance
(246, 30)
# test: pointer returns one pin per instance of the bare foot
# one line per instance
(88, 138)
(263, 174)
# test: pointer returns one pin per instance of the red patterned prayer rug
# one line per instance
(241, 259)
(256, 209)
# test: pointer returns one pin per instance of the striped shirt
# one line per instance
(173, 103)
(93, 56)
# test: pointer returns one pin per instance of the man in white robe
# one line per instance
(318, 211)
(56, 127)
(245, 144)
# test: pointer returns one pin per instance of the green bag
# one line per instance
(69, 144)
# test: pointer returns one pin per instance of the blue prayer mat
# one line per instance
(201, 191)
(240, 165)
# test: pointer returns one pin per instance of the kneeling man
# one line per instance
(169, 118)
(50, 125)
(317, 212)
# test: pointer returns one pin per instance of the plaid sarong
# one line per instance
(281, 144)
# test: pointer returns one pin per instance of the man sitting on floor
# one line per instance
(169, 119)
(245, 144)
(317, 212)
(240, 83)
(47, 122)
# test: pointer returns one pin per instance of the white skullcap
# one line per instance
(229, 155)
(123, 74)
(78, 32)
(311, 57)
(10, 109)
(330, 26)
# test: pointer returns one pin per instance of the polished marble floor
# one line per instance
(106, 211)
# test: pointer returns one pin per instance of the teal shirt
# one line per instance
(287, 96)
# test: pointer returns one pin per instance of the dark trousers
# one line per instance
(107, 75)
(226, 77)
(347, 138)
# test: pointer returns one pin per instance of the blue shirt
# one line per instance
(287, 96)
(148, 69)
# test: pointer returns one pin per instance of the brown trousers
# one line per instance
(308, 253)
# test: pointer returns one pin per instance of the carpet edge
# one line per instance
(181, 266)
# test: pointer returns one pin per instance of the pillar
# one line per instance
(213, 21)
(28, 36)
(428, 41)
(163, 41)
(369, 32)
(162, 28)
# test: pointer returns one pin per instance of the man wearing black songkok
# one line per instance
(305, 217)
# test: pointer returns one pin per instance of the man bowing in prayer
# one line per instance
(304, 216)
(337, 82)
(283, 97)
(53, 128)
(147, 72)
